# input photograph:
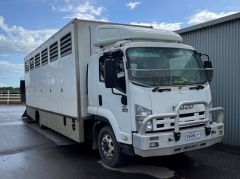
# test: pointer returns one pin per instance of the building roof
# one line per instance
(210, 23)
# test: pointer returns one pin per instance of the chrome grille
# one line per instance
(185, 119)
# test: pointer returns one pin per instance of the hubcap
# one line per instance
(107, 146)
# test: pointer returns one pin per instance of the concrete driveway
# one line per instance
(26, 151)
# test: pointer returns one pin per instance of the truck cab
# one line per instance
(153, 93)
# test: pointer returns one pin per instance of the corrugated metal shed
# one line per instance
(220, 39)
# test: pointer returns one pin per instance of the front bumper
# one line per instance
(175, 139)
(166, 145)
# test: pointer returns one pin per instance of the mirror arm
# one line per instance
(119, 94)
(123, 99)
(207, 56)
(203, 54)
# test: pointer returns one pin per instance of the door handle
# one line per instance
(100, 100)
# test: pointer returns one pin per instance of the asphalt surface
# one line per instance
(26, 151)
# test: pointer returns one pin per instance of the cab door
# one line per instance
(115, 100)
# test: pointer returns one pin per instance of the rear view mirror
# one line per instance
(208, 69)
(110, 73)
(207, 64)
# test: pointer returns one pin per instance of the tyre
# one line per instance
(108, 147)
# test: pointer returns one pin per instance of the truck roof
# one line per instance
(110, 34)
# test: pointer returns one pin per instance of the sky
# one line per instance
(25, 24)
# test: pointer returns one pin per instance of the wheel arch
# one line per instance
(108, 117)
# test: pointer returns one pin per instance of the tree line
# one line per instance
(9, 88)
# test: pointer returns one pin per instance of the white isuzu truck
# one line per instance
(129, 90)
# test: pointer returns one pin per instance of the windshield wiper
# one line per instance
(197, 87)
(194, 85)
(155, 89)
(141, 84)
(160, 89)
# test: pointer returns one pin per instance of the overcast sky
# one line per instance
(24, 24)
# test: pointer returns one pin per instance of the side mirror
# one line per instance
(209, 70)
(110, 73)
(207, 64)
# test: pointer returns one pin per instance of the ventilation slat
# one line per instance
(44, 56)
(31, 64)
(27, 66)
(66, 41)
(66, 38)
(66, 52)
(66, 45)
(53, 51)
(65, 49)
(53, 54)
(37, 60)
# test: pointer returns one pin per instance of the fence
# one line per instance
(10, 97)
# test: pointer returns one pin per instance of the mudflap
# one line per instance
(24, 114)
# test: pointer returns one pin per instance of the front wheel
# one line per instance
(108, 147)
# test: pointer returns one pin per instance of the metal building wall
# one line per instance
(222, 43)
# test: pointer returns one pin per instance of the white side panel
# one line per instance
(56, 123)
(86, 32)
(84, 55)
(71, 128)
(92, 84)
(52, 87)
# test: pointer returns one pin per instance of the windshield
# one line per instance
(155, 66)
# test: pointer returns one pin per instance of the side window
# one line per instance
(101, 69)
(121, 75)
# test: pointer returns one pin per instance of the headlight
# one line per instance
(149, 126)
(140, 114)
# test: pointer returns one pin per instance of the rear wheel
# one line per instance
(109, 150)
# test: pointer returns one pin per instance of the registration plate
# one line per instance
(193, 136)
